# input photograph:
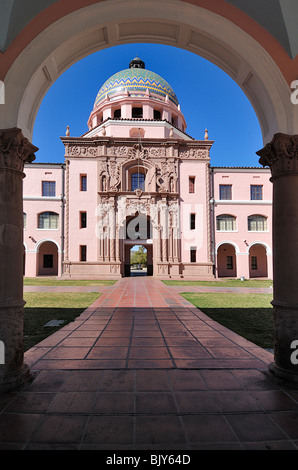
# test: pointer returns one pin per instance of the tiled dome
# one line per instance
(136, 80)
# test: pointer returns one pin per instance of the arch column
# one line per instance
(281, 155)
(15, 150)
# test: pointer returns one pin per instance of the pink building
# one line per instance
(137, 178)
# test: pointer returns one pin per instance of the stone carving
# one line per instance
(194, 153)
(167, 175)
(281, 155)
(15, 149)
(83, 150)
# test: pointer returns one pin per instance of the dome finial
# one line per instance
(136, 63)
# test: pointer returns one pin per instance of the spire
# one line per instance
(136, 63)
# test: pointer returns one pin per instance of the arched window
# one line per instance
(226, 223)
(117, 113)
(48, 220)
(257, 223)
(137, 181)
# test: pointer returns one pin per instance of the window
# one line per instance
(253, 263)
(48, 220)
(49, 188)
(117, 113)
(157, 114)
(226, 223)
(256, 192)
(225, 192)
(24, 220)
(257, 223)
(48, 261)
(137, 181)
(83, 219)
(83, 253)
(229, 262)
(83, 182)
(192, 221)
(137, 113)
(191, 184)
(193, 255)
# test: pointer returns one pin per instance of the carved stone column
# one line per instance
(15, 150)
(164, 231)
(281, 155)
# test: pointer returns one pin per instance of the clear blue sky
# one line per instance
(208, 97)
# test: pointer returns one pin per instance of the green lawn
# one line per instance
(42, 307)
(48, 281)
(227, 283)
(249, 315)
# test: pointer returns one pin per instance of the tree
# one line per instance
(139, 256)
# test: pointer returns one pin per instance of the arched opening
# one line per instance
(226, 261)
(47, 259)
(138, 238)
(138, 260)
(258, 266)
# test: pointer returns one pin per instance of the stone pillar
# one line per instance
(281, 155)
(15, 150)
(164, 231)
(112, 226)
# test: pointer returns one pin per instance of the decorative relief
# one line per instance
(83, 151)
(193, 153)
(15, 149)
(281, 155)
(167, 176)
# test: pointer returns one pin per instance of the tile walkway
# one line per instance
(142, 369)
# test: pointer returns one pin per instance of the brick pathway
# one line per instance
(143, 369)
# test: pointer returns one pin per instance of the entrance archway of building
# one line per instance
(226, 261)
(47, 259)
(258, 266)
(139, 269)
(138, 231)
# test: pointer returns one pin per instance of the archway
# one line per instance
(258, 261)
(47, 259)
(244, 49)
(226, 261)
(138, 237)
(138, 260)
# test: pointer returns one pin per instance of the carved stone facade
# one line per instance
(155, 207)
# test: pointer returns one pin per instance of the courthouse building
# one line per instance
(137, 178)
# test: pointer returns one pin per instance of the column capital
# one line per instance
(281, 155)
(15, 149)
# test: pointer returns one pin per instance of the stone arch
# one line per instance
(147, 167)
(226, 260)
(47, 258)
(211, 36)
(258, 265)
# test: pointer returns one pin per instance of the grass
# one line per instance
(227, 283)
(43, 307)
(249, 315)
(48, 281)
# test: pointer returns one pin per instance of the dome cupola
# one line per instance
(136, 93)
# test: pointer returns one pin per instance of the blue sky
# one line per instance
(208, 97)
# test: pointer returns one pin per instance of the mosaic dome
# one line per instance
(136, 79)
